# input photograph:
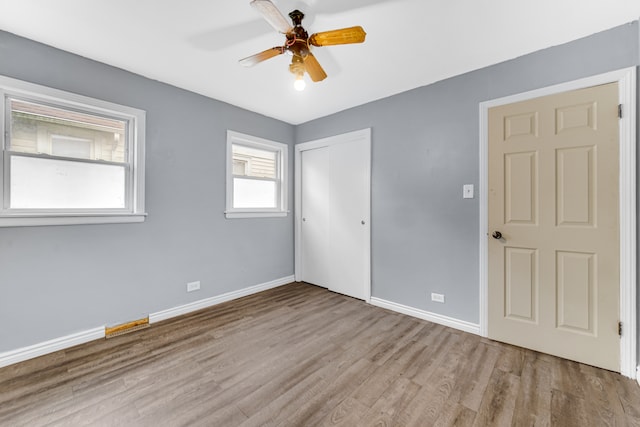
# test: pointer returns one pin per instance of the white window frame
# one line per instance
(135, 119)
(281, 151)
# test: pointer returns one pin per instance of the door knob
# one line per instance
(304, 219)
(497, 235)
(362, 222)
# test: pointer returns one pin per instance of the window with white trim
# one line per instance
(68, 159)
(256, 177)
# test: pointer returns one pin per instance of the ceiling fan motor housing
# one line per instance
(297, 37)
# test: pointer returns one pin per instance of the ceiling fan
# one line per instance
(298, 43)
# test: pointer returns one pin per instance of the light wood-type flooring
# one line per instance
(299, 355)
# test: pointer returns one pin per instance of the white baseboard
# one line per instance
(462, 325)
(208, 302)
(33, 351)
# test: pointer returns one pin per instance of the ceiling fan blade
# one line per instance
(342, 36)
(252, 60)
(314, 68)
(272, 15)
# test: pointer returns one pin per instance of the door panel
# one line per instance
(349, 215)
(576, 291)
(315, 181)
(575, 169)
(553, 194)
(521, 283)
(521, 188)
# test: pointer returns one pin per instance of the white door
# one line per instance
(349, 201)
(334, 211)
(553, 215)
(315, 216)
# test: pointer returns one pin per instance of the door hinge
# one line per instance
(620, 328)
(619, 111)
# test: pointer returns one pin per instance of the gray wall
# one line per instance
(425, 147)
(425, 236)
(52, 279)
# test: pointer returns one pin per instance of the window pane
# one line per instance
(38, 183)
(255, 162)
(254, 193)
(42, 129)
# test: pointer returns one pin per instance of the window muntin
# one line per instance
(256, 171)
(68, 159)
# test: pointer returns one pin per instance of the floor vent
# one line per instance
(125, 328)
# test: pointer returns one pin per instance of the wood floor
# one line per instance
(299, 355)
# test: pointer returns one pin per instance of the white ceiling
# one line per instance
(196, 44)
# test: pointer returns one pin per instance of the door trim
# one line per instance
(364, 134)
(626, 79)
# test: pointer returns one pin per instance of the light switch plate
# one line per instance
(467, 191)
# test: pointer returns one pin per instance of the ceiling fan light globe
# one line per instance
(299, 84)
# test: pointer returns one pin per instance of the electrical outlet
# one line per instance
(437, 297)
(193, 286)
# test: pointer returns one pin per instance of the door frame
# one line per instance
(626, 79)
(364, 134)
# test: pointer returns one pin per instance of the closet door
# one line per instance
(334, 243)
(315, 182)
(349, 212)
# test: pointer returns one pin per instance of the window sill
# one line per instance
(231, 215)
(80, 219)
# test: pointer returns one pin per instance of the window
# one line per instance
(68, 159)
(256, 177)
